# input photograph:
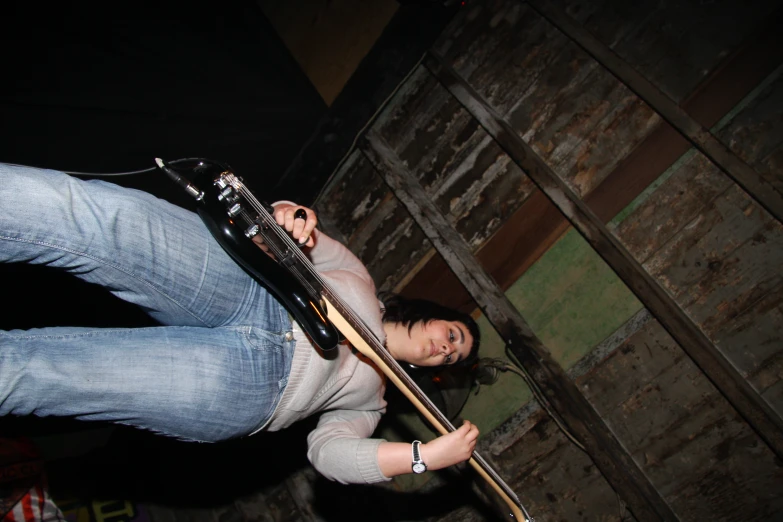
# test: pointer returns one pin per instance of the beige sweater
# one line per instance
(341, 383)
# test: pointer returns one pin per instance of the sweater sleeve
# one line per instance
(339, 448)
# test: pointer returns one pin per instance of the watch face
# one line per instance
(419, 467)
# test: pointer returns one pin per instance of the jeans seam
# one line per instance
(115, 267)
(277, 344)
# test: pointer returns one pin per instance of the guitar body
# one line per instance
(230, 232)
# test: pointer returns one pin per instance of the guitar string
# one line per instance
(294, 248)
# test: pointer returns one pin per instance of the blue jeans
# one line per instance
(215, 369)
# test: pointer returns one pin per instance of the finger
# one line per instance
(289, 221)
(299, 221)
(280, 215)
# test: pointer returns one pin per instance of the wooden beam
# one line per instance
(756, 186)
(537, 225)
(693, 341)
(583, 421)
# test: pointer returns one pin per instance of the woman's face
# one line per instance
(432, 344)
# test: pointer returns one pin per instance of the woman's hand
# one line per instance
(300, 229)
(452, 448)
(394, 458)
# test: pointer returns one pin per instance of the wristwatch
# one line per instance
(418, 465)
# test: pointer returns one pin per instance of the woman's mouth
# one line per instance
(433, 349)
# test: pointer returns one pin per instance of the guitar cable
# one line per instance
(504, 366)
(110, 174)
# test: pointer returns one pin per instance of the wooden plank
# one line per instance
(719, 253)
(608, 454)
(562, 481)
(697, 451)
(720, 371)
(706, 264)
(678, 200)
(537, 225)
(527, 234)
(672, 44)
(507, 49)
(580, 119)
(755, 334)
(756, 133)
(722, 264)
(688, 439)
(701, 138)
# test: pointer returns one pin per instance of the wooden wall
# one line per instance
(715, 250)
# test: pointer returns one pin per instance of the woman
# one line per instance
(227, 361)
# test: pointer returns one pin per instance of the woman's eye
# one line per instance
(448, 358)
(451, 336)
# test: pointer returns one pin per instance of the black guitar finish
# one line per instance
(232, 222)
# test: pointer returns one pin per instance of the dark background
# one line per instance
(107, 87)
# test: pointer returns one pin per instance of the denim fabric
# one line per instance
(217, 367)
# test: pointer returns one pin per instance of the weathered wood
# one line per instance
(687, 438)
(720, 371)
(608, 454)
(719, 254)
(672, 44)
(701, 138)
(756, 133)
(691, 443)
(562, 481)
(686, 192)
(536, 225)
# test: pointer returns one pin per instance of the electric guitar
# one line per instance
(233, 215)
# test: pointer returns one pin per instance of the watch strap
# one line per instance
(418, 465)
(415, 453)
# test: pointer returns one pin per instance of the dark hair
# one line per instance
(409, 312)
